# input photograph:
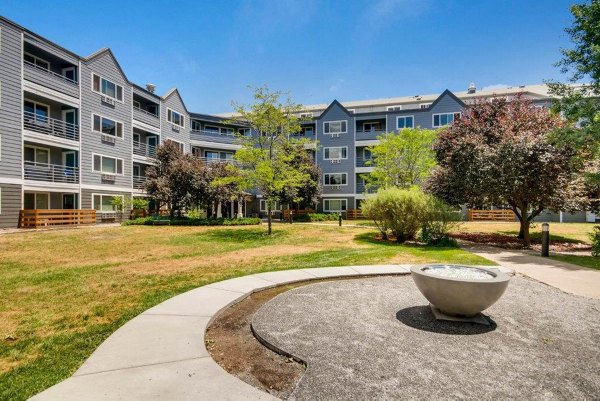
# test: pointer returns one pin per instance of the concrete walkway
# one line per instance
(570, 278)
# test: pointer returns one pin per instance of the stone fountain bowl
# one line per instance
(459, 290)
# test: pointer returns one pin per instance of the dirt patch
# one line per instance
(512, 242)
(232, 345)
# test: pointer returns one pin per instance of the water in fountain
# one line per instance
(459, 272)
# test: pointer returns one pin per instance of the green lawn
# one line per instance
(585, 261)
(64, 292)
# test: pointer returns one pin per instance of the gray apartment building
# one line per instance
(75, 132)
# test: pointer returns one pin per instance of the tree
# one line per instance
(173, 179)
(308, 193)
(580, 104)
(502, 153)
(403, 159)
(223, 185)
(267, 163)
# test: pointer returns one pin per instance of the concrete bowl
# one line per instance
(459, 296)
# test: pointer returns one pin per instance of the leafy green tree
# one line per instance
(268, 164)
(308, 193)
(580, 103)
(403, 159)
(502, 153)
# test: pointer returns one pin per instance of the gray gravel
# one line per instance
(377, 339)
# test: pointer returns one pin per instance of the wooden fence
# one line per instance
(353, 214)
(300, 212)
(490, 215)
(36, 218)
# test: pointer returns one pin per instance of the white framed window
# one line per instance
(334, 153)
(394, 108)
(36, 155)
(196, 125)
(405, 122)
(36, 200)
(245, 132)
(335, 127)
(335, 179)
(104, 202)
(335, 205)
(107, 126)
(137, 105)
(36, 112)
(180, 145)
(36, 61)
(175, 118)
(227, 131)
(263, 206)
(424, 105)
(444, 119)
(107, 165)
(107, 88)
(372, 126)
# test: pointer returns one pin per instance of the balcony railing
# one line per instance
(209, 160)
(35, 218)
(50, 126)
(142, 149)
(139, 181)
(29, 64)
(362, 188)
(213, 136)
(50, 172)
(145, 112)
(360, 162)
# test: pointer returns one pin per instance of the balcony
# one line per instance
(139, 181)
(144, 150)
(50, 79)
(362, 162)
(146, 116)
(50, 126)
(361, 188)
(368, 135)
(209, 160)
(212, 136)
(50, 173)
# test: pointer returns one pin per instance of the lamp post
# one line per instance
(545, 239)
(340, 218)
(291, 216)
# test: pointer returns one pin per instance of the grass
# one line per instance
(559, 232)
(64, 292)
(585, 261)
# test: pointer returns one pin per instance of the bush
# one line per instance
(309, 217)
(185, 221)
(595, 237)
(403, 212)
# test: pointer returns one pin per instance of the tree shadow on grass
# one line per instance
(421, 318)
(373, 238)
(241, 235)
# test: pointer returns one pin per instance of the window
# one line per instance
(107, 126)
(36, 200)
(335, 127)
(306, 116)
(336, 178)
(424, 105)
(210, 129)
(226, 131)
(394, 108)
(405, 122)
(36, 112)
(335, 153)
(372, 126)
(175, 118)
(180, 145)
(36, 61)
(107, 88)
(210, 155)
(334, 205)
(443, 119)
(70, 73)
(367, 155)
(245, 131)
(104, 203)
(263, 206)
(196, 125)
(137, 105)
(107, 165)
(33, 154)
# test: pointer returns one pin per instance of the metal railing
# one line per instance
(50, 172)
(360, 162)
(209, 160)
(362, 188)
(210, 132)
(29, 64)
(145, 112)
(50, 126)
(139, 181)
(142, 149)
(373, 131)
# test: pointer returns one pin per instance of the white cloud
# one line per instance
(336, 86)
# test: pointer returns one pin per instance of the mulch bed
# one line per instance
(512, 242)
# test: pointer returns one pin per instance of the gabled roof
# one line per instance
(446, 93)
(146, 91)
(103, 51)
(172, 91)
(332, 104)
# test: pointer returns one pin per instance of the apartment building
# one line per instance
(75, 132)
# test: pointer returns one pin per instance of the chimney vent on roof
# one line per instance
(472, 88)
(150, 87)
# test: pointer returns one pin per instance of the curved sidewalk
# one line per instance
(160, 354)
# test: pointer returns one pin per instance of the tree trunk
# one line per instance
(524, 231)
(269, 219)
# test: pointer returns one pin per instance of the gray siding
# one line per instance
(174, 102)
(91, 142)
(50, 81)
(11, 102)
(336, 113)
(10, 205)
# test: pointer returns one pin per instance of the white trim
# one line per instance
(108, 157)
(335, 158)
(182, 115)
(112, 82)
(50, 93)
(367, 142)
(277, 206)
(108, 187)
(404, 117)
(335, 185)
(50, 140)
(335, 121)
(215, 144)
(424, 106)
(11, 181)
(336, 210)
(395, 107)
(146, 127)
(50, 186)
(110, 119)
(37, 58)
(453, 113)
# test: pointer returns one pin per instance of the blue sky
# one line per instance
(316, 50)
